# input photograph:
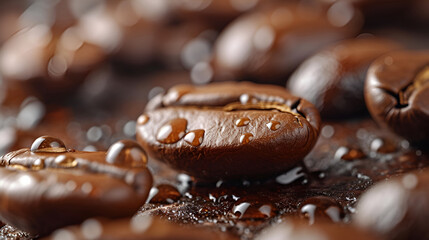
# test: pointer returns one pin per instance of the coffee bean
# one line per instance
(269, 43)
(48, 186)
(229, 130)
(47, 62)
(292, 228)
(397, 93)
(398, 208)
(333, 79)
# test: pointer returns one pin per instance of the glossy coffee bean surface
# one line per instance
(397, 208)
(397, 93)
(333, 79)
(49, 186)
(268, 44)
(229, 130)
(47, 62)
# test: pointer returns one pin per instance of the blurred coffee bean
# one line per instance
(295, 229)
(46, 63)
(397, 208)
(49, 186)
(333, 79)
(268, 44)
(397, 93)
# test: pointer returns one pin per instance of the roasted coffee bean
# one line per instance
(397, 93)
(295, 229)
(268, 44)
(333, 79)
(48, 63)
(138, 227)
(229, 130)
(398, 208)
(50, 186)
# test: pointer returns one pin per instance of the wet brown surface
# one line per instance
(245, 208)
(349, 157)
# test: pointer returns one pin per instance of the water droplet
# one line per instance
(94, 134)
(290, 176)
(201, 73)
(321, 207)
(410, 181)
(63, 234)
(184, 182)
(126, 153)
(173, 131)
(143, 119)
(195, 137)
(244, 121)
(266, 210)
(38, 164)
(70, 185)
(31, 113)
(253, 210)
(91, 229)
(273, 125)
(188, 195)
(166, 194)
(212, 198)
(383, 146)
(65, 161)
(246, 99)
(362, 133)
(246, 138)
(89, 148)
(86, 188)
(129, 128)
(240, 209)
(139, 224)
(153, 191)
(405, 144)
(327, 131)
(46, 144)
